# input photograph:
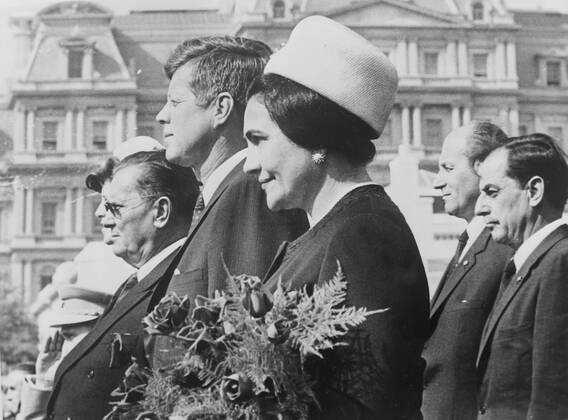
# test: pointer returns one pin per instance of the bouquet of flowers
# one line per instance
(243, 352)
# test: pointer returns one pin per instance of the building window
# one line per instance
(433, 135)
(431, 63)
(477, 11)
(100, 135)
(75, 64)
(279, 9)
(552, 73)
(479, 64)
(48, 218)
(49, 135)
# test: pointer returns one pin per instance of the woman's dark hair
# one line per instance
(539, 155)
(312, 121)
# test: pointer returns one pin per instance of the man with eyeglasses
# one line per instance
(145, 212)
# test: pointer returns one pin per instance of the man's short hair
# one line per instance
(220, 64)
(484, 137)
(160, 178)
(539, 155)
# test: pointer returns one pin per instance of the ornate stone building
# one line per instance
(89, 79)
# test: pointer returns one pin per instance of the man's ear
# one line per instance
(535, 190)
(223, 105)
(162, 211)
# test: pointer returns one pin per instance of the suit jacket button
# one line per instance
(482, 409)
(51, 416)
(91, 374)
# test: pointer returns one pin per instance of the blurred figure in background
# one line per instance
(12, 389)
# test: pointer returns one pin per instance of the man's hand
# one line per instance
(48, 360)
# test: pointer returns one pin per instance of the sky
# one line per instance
(10, 8)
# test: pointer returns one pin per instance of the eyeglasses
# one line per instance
(117, 209)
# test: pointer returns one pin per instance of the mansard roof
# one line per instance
(74, 9)
(165, 18)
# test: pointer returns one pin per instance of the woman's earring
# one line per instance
(319, 157)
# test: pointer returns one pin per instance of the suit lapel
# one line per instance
(517, 282)
(442, 293)
(134, 296)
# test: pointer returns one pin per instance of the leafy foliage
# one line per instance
(18, 335)
(244, 351)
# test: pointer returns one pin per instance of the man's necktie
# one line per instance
(122, 291)
(507, 276)
(462, 241)
(126, 286)
(198, 209)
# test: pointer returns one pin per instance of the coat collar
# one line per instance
(522, 276)
(466, 264)
(134, 296)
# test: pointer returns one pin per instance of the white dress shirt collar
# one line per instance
(220, 173)
(474, 229)
(158, 258)
(527, 248)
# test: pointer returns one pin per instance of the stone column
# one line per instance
(511, 59)
(416, 126)
(67, 215)
(466, 114)
(462, 58)
(68, 132)
(80, 129)
(538, 126)
(80, 201)
(19, 129)
(500, 69)
(504, 119)
(17, 269)
(455, 116)
(87, 70)
(130, 122)
(30, 131)
(514, 121)
(18, 209)
(451, 63)
(413, 57)
(29, 225)
(27, 282)
(405, 119)
(119, 128)
(402, 57)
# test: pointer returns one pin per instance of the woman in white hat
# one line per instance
(309, 123)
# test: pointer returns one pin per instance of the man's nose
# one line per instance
(163, 116)
(481, 208)
(439, 182)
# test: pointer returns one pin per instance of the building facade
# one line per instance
(88, 79)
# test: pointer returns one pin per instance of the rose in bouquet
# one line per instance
(244, 351)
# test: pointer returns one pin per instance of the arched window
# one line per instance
(279, 9)
(477, 11)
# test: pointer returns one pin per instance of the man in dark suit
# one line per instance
(148, 206)
(523, 356)
(203, 126)
(468, 288)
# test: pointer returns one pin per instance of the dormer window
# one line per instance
(477, 11)
(75, 48)
(279, 9)
(75, 64)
